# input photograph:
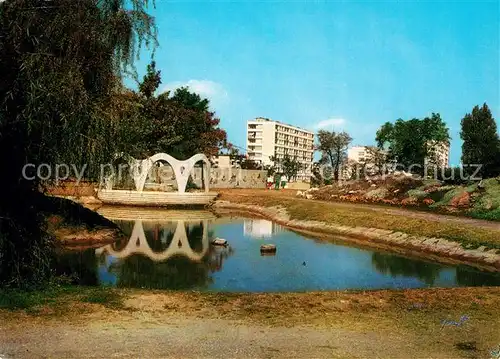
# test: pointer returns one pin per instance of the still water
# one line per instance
(172, 250)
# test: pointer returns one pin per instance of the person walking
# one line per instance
(269, 183)
(277, 178)
(283, 181)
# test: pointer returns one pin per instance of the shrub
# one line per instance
(377, 193)
(490, 198)
(428, 201)
(461, 200)
(402, 184)
(409, 201)
(448, 196)
(451, 175)
(417, 194)
(493, 215)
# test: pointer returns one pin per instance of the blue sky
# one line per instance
(345, 65)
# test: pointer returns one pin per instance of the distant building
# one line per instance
(439, 154)
(267, 138)
(362, 157)
(357, 154)
(222, 161)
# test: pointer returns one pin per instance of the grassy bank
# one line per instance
(315, 210)
(59, 299)
(285, 309)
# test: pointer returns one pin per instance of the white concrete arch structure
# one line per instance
(182, 170)
(140, 170)
(179, 245)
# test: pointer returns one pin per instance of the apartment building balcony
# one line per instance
(254, 135)
(285, 145)
(289, 132)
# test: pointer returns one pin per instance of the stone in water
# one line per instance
(219, 242)
(268, 248)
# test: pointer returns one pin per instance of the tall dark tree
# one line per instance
(60, 63)
(333, 147)
(481, 141)
(151, 81)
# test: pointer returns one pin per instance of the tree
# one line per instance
(151, 81)
(242, 160)
(181, 124)
(247, 164)
(317, 179)
(376, 161)
(233, 152)
(290, 167)
(61, 61)
(481, 141)
(411, 142)
(270, 170)
(198, 125)
(333, 147)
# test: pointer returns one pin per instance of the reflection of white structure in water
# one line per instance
(179, 245)
(260, 228)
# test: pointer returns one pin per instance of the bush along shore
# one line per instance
(318, 218)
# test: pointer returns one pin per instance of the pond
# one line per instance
(172, 250)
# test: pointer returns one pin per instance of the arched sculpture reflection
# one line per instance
(179, 245)
(165, 250)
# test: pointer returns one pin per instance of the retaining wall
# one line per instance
(163, 177)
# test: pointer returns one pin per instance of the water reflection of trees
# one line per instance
(467, 276)
(400, 266)
(80, 267)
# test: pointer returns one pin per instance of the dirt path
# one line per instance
(146, 336)
(158, 324)
(181, 338)
(372, 207)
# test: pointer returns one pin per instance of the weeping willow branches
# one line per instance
(61, 61)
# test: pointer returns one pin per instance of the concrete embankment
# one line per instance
(437, 249)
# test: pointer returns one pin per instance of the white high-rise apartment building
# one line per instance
(267, 138)
(439, 154)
